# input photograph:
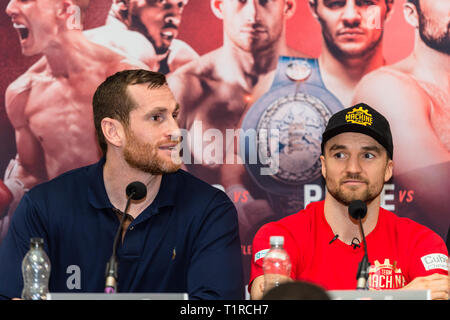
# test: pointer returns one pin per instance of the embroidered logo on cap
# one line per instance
(359, 116)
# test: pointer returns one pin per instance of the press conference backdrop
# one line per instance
(284, 191)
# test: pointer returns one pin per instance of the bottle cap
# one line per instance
(36, 241)
(276, 240)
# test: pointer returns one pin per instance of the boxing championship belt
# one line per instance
(282, 133)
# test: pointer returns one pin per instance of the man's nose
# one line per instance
(12, 9)
(351, 16)
(251, 10)
(353, 165)
(174, 8)
(173, 130)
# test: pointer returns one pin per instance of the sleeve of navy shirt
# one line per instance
(25, 225)
(216, 265)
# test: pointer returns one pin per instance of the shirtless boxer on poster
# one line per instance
(414, 95)
(352, 34)
(216, 90)
(50, 105)
(146, 30)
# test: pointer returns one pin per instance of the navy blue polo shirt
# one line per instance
(187, 240)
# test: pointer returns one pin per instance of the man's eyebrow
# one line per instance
(335, 147)
(327, 2)
(163, 109)
(372, 148)
(159, 109)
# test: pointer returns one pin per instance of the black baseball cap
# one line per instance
(363, 119)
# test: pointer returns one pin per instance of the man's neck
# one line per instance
(430, 65)
(69, 53)
(248, 67)
(337, 216)
(117, 174)
(341, 75)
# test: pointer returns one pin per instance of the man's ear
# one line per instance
(324, 168)
(411, 15)
(70, 14)
(313, 7)
(113, 131)
(289, 8)
(389, 9)
(389, 170)
(217, 8)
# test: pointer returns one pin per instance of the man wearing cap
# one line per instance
(323, 240)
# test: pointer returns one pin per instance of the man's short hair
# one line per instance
(111, 99)
(416, 3)
(297, 290)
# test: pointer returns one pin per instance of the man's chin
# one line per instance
(346, 198)
(168, 166)
(352, 50)
(161, 50)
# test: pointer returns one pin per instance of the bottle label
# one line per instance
(261, 254)
(281, 255)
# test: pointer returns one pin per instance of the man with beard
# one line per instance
(181, 237)
(321, 240)
(146, 30)
(414, 94)
(49, 105)
(352, 34)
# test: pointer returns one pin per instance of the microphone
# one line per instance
(135, 191)
(355, 244)
(358, 210)
(334, 239)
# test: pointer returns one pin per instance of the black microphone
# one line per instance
(358, 210)
(134, 191)
(334, 239)
(355, 244)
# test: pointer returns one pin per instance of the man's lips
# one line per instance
(171, 146)
(353, 182)
(169, 33)
(253, 30)
(351, 32)
(22, 30)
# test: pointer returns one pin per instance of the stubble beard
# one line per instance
(144, 157)
(439, 43)
(345, 197)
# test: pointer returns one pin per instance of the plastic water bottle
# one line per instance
(35, 271)
(276, 264)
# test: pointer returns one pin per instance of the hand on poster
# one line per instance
(12, 188)
(5, 198)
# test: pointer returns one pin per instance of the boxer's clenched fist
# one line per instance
(6, 197)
